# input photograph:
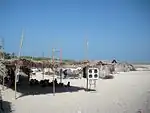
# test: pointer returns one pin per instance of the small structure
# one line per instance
(91, 73)
(114, 61)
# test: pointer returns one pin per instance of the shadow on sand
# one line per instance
(6, 107)
(108, 77)
(38, 90)
(25, 89)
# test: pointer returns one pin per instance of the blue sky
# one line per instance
(114, 28)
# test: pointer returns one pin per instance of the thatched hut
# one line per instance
(123, 67)
(3, 71)
(106, 70)
(7, 71)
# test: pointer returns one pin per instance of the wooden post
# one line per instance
(49, 63)
(3, 82)
(60, 64)
(43, 66)
(18, 66)
(3, 57)
(87, 82)
(54, 72)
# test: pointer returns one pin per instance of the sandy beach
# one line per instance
(127, 92)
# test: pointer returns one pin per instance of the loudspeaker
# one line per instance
(93, 73)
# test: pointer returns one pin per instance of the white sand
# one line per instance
(126, 93)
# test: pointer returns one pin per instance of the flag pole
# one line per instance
(18, 65)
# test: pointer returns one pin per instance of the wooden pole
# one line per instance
(18, 66)
(3, 81)
(17, 71)
(60, 60)
(87, 83)
(43, 66)
(54, 72)
(49, 63)
(3, 58)
(60, 55)
(60, 64)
